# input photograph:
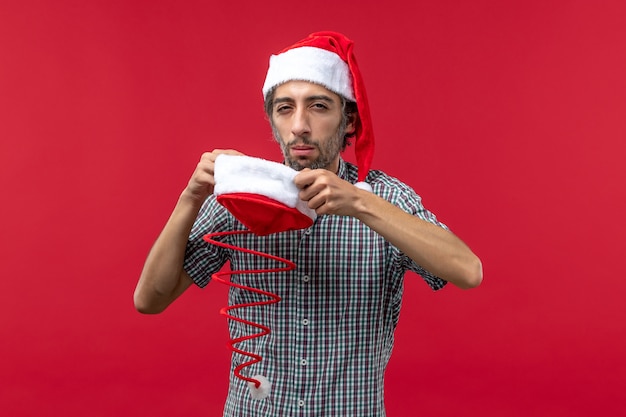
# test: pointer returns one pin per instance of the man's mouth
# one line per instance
(302, 150)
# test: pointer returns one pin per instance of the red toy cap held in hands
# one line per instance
(263, 196)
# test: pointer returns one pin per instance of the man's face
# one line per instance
(307, 123)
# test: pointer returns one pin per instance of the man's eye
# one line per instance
(320, 106)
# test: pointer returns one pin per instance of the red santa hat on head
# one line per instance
(327, 59)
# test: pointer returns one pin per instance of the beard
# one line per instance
(328, 150)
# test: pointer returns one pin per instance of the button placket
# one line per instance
(301, 361)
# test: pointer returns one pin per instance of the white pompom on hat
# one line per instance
(327, 59)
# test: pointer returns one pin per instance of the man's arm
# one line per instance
(435, 249)
(163, 278)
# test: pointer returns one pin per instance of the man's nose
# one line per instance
(300, 123)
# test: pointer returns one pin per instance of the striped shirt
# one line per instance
(333, 332)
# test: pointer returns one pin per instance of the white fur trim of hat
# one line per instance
(311, 64)
(246, 174)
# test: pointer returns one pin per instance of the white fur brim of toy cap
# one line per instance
(311, 64)
(246, 174)
(363, 186)
(263, 390)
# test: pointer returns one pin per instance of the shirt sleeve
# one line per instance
(408, 200)
(203, 259)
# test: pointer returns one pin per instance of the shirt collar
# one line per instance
(342, 172)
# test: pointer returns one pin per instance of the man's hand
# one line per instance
(326, 193)
(202, 181)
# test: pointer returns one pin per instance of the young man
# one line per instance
(332, 333)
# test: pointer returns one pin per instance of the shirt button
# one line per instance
(305, 278)
(303, 362)
(305, 322)
(301, 403)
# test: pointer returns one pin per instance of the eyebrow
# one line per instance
(322, 97)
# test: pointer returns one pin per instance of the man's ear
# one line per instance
(351, 125)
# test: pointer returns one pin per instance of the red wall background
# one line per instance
(507, 117)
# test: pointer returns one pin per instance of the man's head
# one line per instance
(325, 61)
